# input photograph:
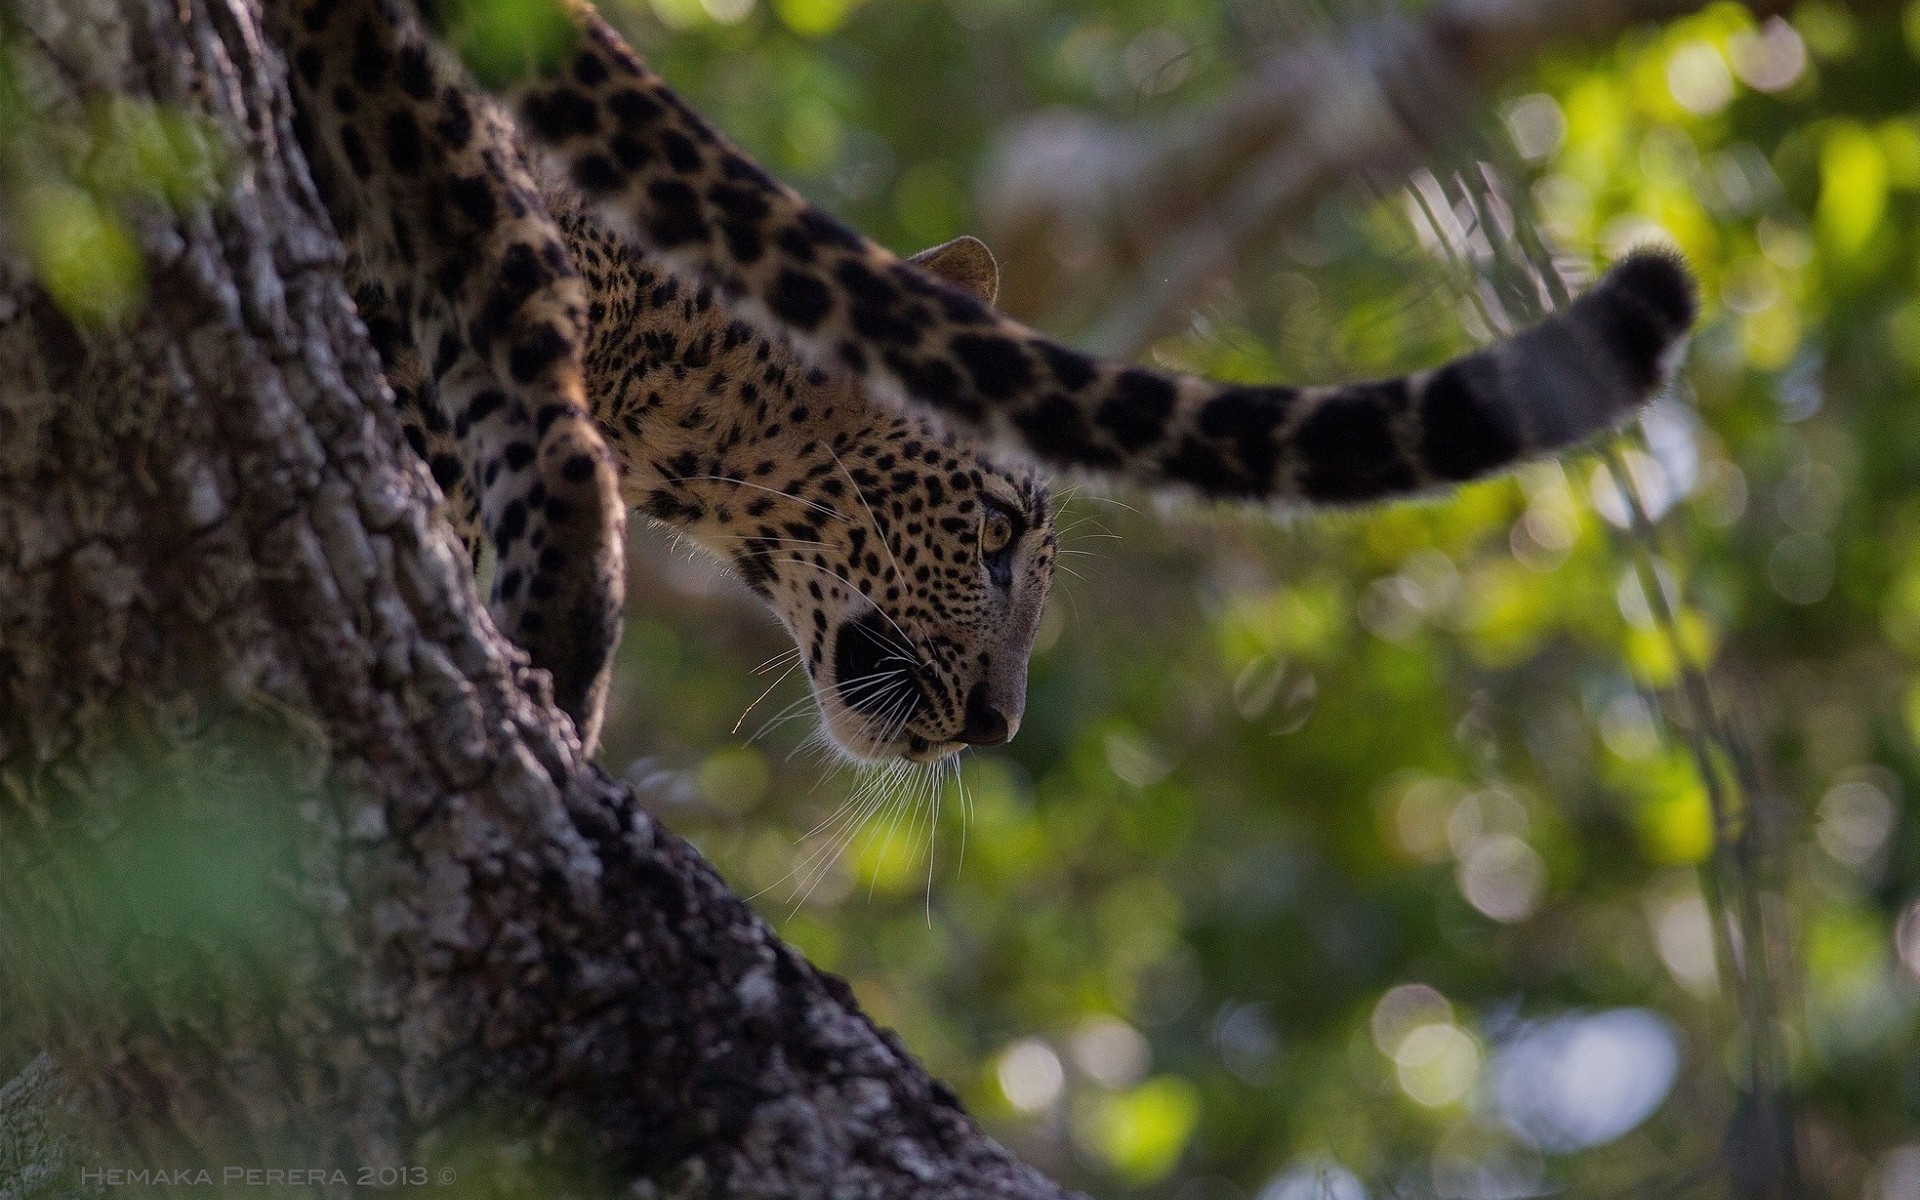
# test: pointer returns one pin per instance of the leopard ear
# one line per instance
(964, 262)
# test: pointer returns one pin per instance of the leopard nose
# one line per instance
(986, 724)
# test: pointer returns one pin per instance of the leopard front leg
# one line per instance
(434, 199)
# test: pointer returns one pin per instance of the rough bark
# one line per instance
(299, 868)
(36, 1157)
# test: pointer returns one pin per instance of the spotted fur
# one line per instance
(731, 340)
(469, 292)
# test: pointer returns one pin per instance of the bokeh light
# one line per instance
(1585, 1079)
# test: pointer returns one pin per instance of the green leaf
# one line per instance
(1140, 1133)
(82, 253)
(1853, 188)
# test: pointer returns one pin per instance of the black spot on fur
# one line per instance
(795, 245)
(318, 14)
(1057, 429)
(936, 382)
(998, 365)
(1199, 464)
(1459, 438)
(588, 69)
(561, 113)
(473, 197)
(742, 170)
(829, 232)
(800, 299)
(743, 214)
(629, 151)
(455, 126)
(597, 174)
(416, 74)
(484, 404)
(675, 218)
(1071, 368)
(633, 107)
(879, 312)
(1247, 418)
(403, 143)
(370, 57)
(682, 154)
(1136, 413)
(521, 274)
(513, 523)
(752, 563)
(356, 151)
(1347, 448)
(532, 354)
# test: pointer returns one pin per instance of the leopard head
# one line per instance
(916, 614)
(909, 565)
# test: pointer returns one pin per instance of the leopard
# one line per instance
(589, 300)
(908, 563)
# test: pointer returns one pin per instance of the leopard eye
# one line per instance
(996, 531)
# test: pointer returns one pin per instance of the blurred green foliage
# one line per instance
(179, 862)
(501, 40)
(1313, 825)
(68, 186)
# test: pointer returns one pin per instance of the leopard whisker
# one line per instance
(861, 791)
(966, 816)
(760, 487)
(934, 787)
(909, 645)
(789, 652)
(777, 681)
(1097, 498)
(846, 689)
(876, 792)
(886, 848)
(863, 779)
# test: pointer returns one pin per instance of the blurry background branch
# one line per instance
(1126, 223)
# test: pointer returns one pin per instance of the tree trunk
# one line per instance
(300, 871)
